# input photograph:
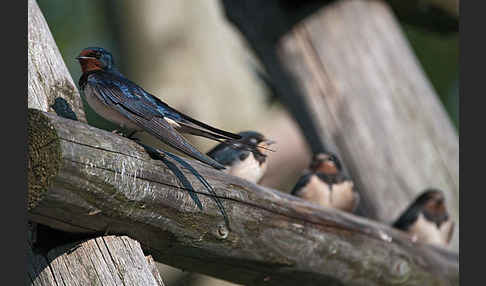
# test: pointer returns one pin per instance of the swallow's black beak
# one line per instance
(265, 143)
(269, 142)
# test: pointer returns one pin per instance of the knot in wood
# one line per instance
(222, 231)
(400, 269)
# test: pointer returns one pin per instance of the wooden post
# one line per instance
(109, 260)
(370, 98)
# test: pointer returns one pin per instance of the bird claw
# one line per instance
(118, 132)
(124, 134)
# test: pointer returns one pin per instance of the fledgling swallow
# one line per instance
(245, 158)
(426, 219)
(117, 99)
(324, 183)
(63, 109)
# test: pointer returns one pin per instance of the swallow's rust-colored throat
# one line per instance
(88, 62)
(327, 168)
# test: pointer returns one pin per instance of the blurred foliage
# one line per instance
(76, 25)
(79, 24)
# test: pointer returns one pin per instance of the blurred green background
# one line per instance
(78, 24)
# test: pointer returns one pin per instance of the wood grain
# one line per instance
(108, 260)
(107, 183)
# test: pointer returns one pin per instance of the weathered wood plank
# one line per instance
(48, 75)
(109, 260)
(107, 183)
(154, 269)
(38, 271)
(372, 101)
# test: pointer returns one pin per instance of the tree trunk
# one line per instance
(102, 182)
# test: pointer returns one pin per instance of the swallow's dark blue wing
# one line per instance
(227, 154)
(188, 124)
(222, 147)
(408, 218)
(302, 182)
(185, 123)
(128, 99)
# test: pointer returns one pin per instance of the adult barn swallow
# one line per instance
(426, 219)
(245, 158)
(117, 99)
(324, 183)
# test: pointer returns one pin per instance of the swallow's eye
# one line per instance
(253, 141)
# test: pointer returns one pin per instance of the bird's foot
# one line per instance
(125, 133)
(118, 132)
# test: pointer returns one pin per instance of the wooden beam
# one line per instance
(101, 182)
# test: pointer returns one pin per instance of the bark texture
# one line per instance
(108, 260)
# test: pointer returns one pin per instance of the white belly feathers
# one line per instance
(340, 197)
(426, 231)
(249, 169)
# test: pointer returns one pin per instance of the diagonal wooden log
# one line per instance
(109, 260)
(51, 87)
(95, 181)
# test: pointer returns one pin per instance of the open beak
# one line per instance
(269, 142)
(265, 144)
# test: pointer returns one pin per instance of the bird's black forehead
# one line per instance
(429, 194)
